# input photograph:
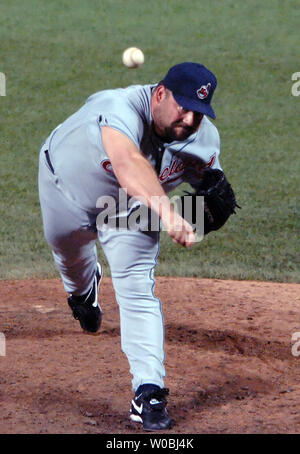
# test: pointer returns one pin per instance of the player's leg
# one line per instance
(71, 234)
(132, 258)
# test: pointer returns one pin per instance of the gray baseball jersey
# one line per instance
(82, 165)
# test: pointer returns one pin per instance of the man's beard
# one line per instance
(177, 131)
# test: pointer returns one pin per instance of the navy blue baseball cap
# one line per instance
(192, 86)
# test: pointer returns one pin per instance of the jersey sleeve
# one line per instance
(123, 117)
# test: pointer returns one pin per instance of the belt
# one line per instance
(49, 161)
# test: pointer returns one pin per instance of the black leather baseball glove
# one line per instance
(219, 199)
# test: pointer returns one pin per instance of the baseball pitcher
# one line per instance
(141, 141)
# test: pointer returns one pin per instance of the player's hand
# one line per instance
(179, 229)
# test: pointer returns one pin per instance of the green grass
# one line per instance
(55, 54)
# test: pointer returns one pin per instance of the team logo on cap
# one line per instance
(203, 91)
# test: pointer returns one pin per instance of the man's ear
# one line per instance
(161, 93)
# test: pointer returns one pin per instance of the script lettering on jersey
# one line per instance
(211, 161)
(171, 172)
(177, 167)
(106, 164)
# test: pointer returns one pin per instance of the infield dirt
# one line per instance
(232, 365)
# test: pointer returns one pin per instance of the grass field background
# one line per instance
(55, 54)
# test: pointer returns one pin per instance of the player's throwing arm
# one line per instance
(137, 176)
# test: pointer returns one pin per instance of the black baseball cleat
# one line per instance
(149, 408)
(86, 308)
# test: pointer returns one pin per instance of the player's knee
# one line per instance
(135, 290)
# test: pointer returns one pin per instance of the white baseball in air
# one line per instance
(133, 57)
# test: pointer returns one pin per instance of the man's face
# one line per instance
(171, 121)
